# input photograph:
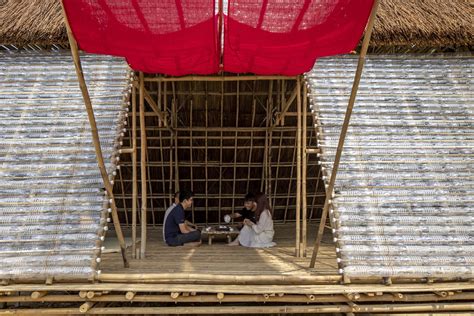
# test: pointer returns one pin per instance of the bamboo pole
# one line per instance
(236, 142)
(303, 180)
(303, 285)
(220, 78)
(191, 174)
(289, 186)
(174, 110)
(345, 126)
(254, 109)
(263, 182)
(316, 189)
(150, 187)
(196, 278)
(95, 134)
(220, 150)
(257, 309)
(280, 100)
(298, 168)
(122, 188)
(243, 298)
(143, 150)
(268, 188)
(205, 163)
(162, 156)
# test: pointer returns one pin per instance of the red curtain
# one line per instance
(174, 37)
(178, 37)
(286, 36)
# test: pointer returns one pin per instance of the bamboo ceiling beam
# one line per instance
(345, 126)
(219, 78)
(95, 134)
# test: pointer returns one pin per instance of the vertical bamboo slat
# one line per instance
(298, 167)
(143, 150)
(134, 172)
(303, 180)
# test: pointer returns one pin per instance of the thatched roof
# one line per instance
(423, 23)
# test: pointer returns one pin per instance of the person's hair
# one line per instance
(249, 197)
(185, 195)
(262, 205)
(176, 194)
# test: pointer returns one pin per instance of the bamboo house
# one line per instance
(356, 118)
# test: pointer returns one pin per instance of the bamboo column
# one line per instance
(345, 126)
(143, 166)
(268, 188)
(95, 135)
(303, 180)
(174, 111)
(134, 172)
(298, 167)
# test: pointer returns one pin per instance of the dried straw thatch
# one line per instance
(423, 23)
(31, 22)
(417, 23)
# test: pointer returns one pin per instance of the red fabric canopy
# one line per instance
(178, 37)
(286, 36)
(156, 36)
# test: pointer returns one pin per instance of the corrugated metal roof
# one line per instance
(404, 196)
(52, 206)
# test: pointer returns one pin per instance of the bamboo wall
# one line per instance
(221, 136)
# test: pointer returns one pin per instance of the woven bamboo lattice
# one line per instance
(53, 211)
(404, 195)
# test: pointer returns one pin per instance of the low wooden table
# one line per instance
(212, 231)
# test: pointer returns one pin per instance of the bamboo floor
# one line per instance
(219, 258)
(218, 279)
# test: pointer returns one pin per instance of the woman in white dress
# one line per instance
(259, 235)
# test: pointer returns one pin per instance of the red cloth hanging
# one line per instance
(286, 36)
(173, 37)
(179, 37)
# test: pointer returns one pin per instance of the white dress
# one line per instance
(259, 235)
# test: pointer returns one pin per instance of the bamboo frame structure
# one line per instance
(95, 135)
(143, 151)
(345, 126)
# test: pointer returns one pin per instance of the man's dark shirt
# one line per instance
(245, 213)
(173, 220)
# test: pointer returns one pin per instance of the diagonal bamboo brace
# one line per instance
(95, 135)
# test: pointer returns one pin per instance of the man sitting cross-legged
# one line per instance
(177, 232)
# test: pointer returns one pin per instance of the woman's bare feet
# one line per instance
(234, 243)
